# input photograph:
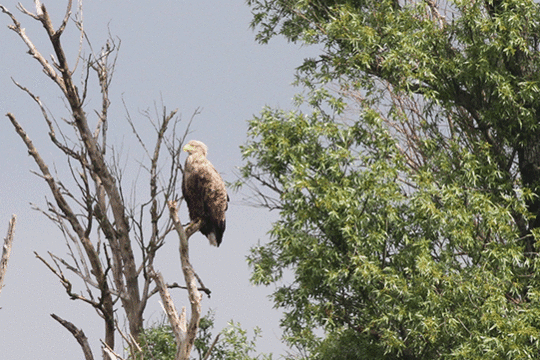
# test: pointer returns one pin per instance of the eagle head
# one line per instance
(195, 147)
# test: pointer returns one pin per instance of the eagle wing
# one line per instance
(206, 197)
(215, 194)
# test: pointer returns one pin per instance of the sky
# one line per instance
(187, 55)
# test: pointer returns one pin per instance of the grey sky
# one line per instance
(191, 54)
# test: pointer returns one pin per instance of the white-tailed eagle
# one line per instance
(204, 192)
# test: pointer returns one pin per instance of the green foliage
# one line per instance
(233, 343)
(417, 261)
(409, 201)
(157, 342)
(237, 346)
(347, 345)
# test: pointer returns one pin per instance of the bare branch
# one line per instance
(100, 172)
(109, 353)
(52, 133)
(177, 327)
(60, 200)
(79, 336)
(36, 16)
(55, 189)
(134, 347)
(66, 283)
(66, 18)
(178, 286)
(47, 68)
(6, 250)
(106, 303)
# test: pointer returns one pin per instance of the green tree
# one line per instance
(408, 196)
(232, 343)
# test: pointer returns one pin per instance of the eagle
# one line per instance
(204, 192)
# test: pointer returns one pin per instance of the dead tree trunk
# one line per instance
(94, 209)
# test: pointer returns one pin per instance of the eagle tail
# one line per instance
(212, 238)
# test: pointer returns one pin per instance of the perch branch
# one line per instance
(195, 297)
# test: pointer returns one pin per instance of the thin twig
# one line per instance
(211, 347)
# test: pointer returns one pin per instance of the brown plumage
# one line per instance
(204, 192)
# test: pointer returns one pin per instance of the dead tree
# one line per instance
(99, 227)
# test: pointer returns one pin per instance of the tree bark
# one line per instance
(186, 336)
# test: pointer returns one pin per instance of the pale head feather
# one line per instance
(196, 147)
